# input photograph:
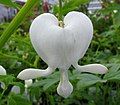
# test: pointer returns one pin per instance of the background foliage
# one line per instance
(89, 89)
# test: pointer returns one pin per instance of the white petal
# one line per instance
(61, 47)
(2, 71)
(34, 73)
(64, 88)
(15, 89)
(92, 68)
(82, 29)
(2, 85)
(45, 37)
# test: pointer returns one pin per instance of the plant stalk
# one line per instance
(30, 4)
(60, 10)
(2, 94)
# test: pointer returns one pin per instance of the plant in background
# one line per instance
(17, 89)
(89, 89)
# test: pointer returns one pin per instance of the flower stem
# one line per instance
(17, 20)
(60, 10)
(2, 94)
(15, 57)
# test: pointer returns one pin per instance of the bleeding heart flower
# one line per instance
(60, 45)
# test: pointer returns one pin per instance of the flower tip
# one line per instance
(64, 90)
(102, 68)
(23, 75)
(2, 71)
(20, 76)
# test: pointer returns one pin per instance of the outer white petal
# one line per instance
(92, 68)
(34, 73)
(64, 88)
(45, 37)
(82, 30)
(2, 71)
(61, 47)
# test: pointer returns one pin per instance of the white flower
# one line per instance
(2, 72)
(15, 89)
(61, 47)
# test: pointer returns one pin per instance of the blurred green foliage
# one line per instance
(89, 89)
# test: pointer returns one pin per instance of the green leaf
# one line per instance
(116, 19)
(39, 83)
(114, 67)
(112, 76)
(46, 83)
(6, 2)
(87, 80)
(36, 93)
(72, 5)
(11, 101)
(75, 74)
(15, 99)
(49, 83)
(55, 9)
(7, 79)
(9, 3)
(110, 7)
(25, 10)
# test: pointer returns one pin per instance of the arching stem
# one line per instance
(17, 20)
(60, 10)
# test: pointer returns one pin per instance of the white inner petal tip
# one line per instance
(64, 89)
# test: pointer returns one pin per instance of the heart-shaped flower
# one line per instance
(60, 45)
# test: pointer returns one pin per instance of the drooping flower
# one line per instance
(15, 89)
(60, 45)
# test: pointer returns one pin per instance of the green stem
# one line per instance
(17, 20)
(60, 10)
(2, 94)
(36, 61)
(15, 57)
(97, 90)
